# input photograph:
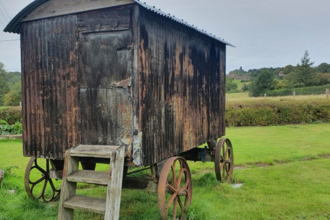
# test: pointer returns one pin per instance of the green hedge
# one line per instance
(250, 113)
(265, 112)
(315, 90)
(11, 115)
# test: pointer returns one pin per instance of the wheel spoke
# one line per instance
(173, 174)
(170, 187)
(37, 181)
(40, 169)
(179, 178)
(175, 205)
(171, 200)
(44, 188)
(180, 204)
(187, 185)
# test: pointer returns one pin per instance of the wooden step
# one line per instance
(98, 151)
(86, 203)
(89, 176)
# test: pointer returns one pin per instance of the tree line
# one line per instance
(288, 77)
(10, 87)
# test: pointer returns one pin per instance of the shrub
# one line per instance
(11, 129)
(277, 112)
(11, 115)
(299, 91)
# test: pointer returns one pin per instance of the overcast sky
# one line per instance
(266, 33)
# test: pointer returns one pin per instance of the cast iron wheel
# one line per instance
(174, 188)
(38, 183)
(224, 160)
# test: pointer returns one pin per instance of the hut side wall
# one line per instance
(50, 86)
(181, 87)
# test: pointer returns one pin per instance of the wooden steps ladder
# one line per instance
(69, 201)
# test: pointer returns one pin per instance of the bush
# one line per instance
(299, 91)
(11, 115)
(277, 113)
(11, 129)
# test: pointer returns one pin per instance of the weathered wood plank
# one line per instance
(68, 189)
(98, 151)
(86, 203)
(89, 176)
(115, 185)
(104, 20)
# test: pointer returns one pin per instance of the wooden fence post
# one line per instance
(265, 95)
(327, 93)
(294, 94)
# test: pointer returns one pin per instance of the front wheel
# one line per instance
(174, 188)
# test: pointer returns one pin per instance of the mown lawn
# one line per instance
(285, 172)
(244, 97)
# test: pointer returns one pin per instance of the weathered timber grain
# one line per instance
(50, 80)
(89, 176)
(181, 84)
(85, 203)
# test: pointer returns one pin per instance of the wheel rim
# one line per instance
(38, 183)
(224, 160)
(174, 188)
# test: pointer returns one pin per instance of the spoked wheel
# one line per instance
(38, 183)
(224, 160)
(174, 188)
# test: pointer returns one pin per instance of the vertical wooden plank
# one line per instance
(24, 94)
(115, 185)
(68, 189)
(222, 107)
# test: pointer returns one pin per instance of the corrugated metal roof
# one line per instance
(14, 24)
(181, 21)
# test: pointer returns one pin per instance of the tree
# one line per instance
(323, 68)
(263, 82)
(287, 69)
(230, 85)
(303, 75)
(4, 87)
(14, 97)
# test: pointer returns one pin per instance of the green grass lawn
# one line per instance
(244, 97)
(284, 171)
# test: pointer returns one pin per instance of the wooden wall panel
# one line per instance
(181, 87)
(50, 87)
(106, 67)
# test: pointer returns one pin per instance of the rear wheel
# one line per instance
(37, 180)
(224, 160)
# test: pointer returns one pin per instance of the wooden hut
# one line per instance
(117, 72)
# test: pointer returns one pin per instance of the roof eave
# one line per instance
(14, 24)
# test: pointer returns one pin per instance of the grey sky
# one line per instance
(266, 33)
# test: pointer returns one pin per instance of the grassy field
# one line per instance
(244, 97)
(284, 171)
